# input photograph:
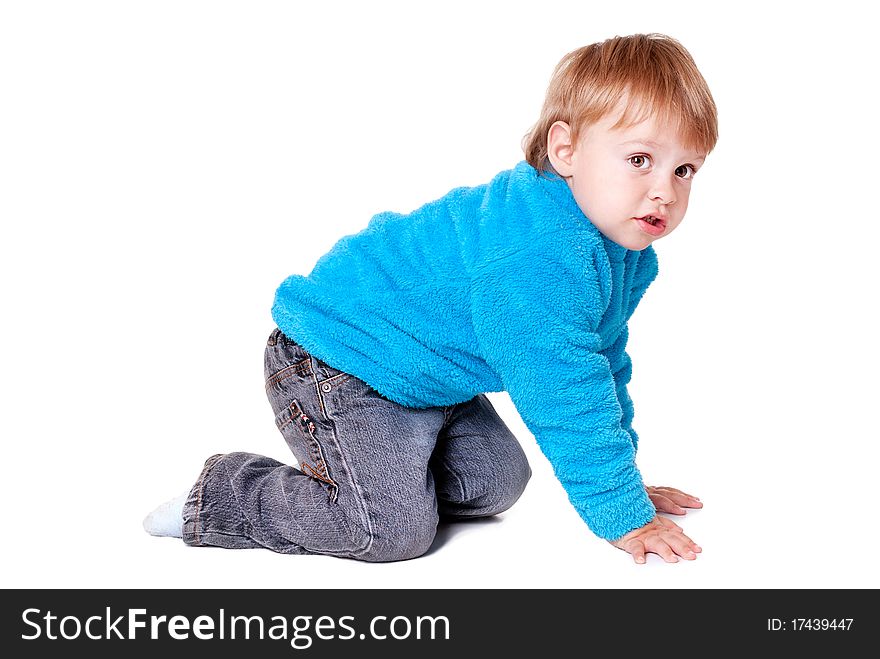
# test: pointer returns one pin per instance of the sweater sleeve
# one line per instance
(618, 358)
(536, 319)
(621, 370)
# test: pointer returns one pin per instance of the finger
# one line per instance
(677, 496)
(687, 501)
(665, 505)
(680, 536)
(668, 524)
(681, 545)
(659, 546)
(637, 549)
(674, 530)
(665, 489)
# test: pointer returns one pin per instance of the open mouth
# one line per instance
(651, 225)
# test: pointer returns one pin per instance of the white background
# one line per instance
(164, 165)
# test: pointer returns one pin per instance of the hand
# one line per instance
(670, 500)
(660, 536)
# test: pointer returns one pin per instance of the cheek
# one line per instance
(607, 192)
(587, 193)
(679, 212)
(683, 199)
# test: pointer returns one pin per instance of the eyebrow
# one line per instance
(650, 143)
(653, 145)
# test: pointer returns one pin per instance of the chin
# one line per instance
(637, 244)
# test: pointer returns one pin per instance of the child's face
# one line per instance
(621, 177)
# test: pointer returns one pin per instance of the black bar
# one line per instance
(476, 621)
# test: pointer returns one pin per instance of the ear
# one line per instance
(560, 149)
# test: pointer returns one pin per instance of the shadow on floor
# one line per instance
(447, 529)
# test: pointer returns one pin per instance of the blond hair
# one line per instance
(652, 73)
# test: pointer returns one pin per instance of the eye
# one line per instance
(685, 171)
(639, 162)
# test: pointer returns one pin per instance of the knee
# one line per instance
(509, 486)
(400, 539)
(519, 479)
(493, 492)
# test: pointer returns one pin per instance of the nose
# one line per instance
(662, 190)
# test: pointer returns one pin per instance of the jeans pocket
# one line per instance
(327, 376)
(299, 431)
(283, 359)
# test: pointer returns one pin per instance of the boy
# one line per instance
(382, 356)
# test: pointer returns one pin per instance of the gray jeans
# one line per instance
(374, 476)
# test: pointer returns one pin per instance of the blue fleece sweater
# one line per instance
(505, 286)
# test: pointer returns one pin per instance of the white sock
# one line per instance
(167, 519)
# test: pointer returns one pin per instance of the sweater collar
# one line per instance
(557, 189)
